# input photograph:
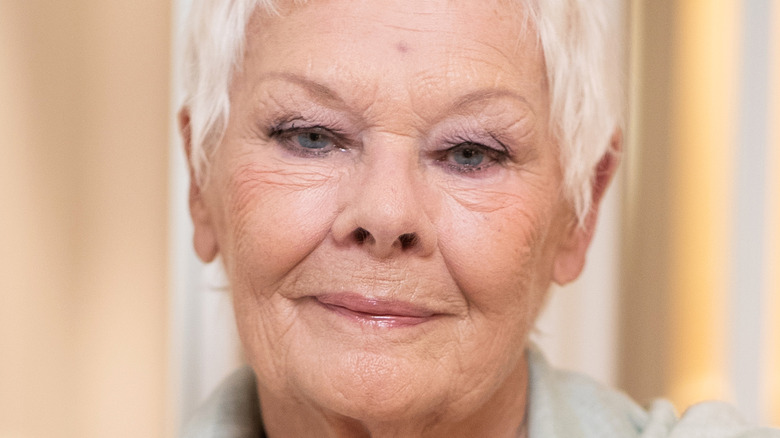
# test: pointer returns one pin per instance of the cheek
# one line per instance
(496, 250)
(273, 218)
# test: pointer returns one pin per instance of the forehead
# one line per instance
(400, 50)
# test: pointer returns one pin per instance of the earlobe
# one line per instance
(570, 259)
(204, 237)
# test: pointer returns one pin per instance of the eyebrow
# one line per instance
(313, 88)
(488, 94)
(323, 93)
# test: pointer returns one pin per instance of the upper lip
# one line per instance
(374, 306)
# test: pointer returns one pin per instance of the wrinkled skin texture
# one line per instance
(390, 87)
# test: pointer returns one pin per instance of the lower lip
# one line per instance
(385, 321)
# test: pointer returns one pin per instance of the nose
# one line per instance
(386, 208)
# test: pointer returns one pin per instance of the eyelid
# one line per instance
(495, 154)
(308, 118)
(285, 132)
(287, 129)
(295, 130)
(487, 140)
(494, 157)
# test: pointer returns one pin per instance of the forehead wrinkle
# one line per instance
(407, 29)
(321, 93)
(370, 107)
(485, 94)
(473, 103)
(314, 89)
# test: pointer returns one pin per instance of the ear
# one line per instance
(570, 258)
(204, 237)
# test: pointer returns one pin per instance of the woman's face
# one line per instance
(387, 204)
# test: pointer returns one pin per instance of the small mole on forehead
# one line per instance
(402, 47)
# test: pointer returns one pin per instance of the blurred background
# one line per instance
(110, 327)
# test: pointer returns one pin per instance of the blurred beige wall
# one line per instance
(771, 372)
(692, 62)
(83, 240)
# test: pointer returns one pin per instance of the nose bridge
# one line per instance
(390, 191)
(385, 210)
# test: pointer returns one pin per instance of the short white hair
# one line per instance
(580, 40)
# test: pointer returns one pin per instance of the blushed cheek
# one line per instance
(274, 218)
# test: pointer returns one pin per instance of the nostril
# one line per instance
(407, 240)
(361, 234)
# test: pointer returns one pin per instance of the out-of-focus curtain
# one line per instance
(700, 291)
(84, 134)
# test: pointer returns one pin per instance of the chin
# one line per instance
(376, 387)
(379, 388)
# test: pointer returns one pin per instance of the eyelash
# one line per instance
(495, 155)
(286, 137)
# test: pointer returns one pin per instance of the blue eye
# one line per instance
(473, 159)
(313, 140)
(310, 141)
(467, 155)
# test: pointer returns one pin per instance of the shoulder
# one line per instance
(565, 404)
(717, 420)
(232, 410)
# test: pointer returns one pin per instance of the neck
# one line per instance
(503, 415)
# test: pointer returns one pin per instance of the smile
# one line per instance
(377, 312)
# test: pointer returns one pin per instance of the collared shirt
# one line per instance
(561, 405)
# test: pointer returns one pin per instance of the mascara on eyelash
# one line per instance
(487, 137)
(285, 136)
(278, 129)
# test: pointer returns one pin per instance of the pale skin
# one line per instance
(398, 152)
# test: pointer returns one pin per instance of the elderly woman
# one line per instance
(392, 186)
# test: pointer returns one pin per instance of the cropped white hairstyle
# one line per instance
(579, 39)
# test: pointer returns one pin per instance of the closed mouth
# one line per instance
(384, 313)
